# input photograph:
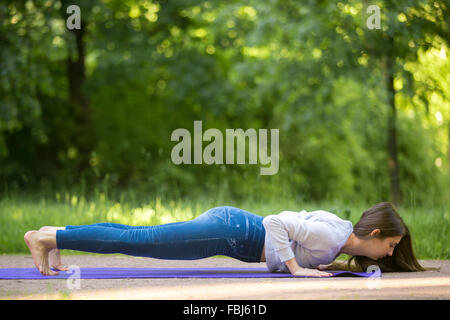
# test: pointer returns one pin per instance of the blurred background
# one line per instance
(86, 115)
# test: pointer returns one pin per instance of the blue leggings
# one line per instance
(224, 231)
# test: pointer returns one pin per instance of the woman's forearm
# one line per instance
(292, 265)
(338, 265)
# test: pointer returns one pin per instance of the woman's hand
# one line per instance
(296, 270)
(311, 273)
(324, 266)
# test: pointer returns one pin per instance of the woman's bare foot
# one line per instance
(54, 256)
(54, 259)
(38, 243)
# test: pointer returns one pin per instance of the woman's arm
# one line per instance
(280, 229)
(287, 225)
(338, 265)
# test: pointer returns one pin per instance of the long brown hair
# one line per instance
(383, 216)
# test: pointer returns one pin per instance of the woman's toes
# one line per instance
(61, 267)
(53, 273)
(48, 272)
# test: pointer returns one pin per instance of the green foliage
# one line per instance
(312, 69)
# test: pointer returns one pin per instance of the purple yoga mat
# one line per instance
(119, 273)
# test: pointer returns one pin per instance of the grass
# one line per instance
(22, 212)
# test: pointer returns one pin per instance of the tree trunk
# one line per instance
(394, 176)
(448, 149)
(76, 72)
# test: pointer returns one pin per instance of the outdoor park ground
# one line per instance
(391, 286)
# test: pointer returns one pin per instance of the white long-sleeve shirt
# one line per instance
(313, 238)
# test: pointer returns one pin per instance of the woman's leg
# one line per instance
(105, 225)
(42, 245)
(54, 256)
(219, 231)
(188, 240)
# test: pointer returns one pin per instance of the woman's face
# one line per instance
(379, 248)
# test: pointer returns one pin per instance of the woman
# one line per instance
(295, 242)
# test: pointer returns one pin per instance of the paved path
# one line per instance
(402, 285)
